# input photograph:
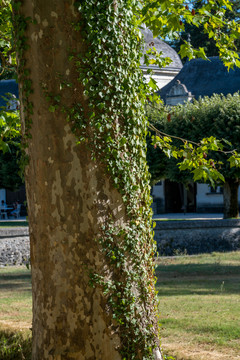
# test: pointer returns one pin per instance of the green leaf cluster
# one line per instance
(201, 38)
(212, 125)
(168, 20)
(7, 53)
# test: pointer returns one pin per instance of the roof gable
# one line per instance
(205, 77)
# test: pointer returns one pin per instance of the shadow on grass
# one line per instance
(198, 269)
(15, 280)
(208, 287)
(200, 279)
(13, 346)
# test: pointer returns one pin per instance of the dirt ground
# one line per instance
(186, 351)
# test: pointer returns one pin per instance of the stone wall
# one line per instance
(197, 236)
(14, 246)
(173, 238)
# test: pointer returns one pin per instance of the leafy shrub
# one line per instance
(13, 346)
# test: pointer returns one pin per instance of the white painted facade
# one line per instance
(161, 76)
(2, 195)
(207, 198)
(164, 75)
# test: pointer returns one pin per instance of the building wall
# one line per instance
(158, 198)
(206, 199)
(2, 195)
(161, 76)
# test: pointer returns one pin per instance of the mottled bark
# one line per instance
(230, 198)
(69, 198)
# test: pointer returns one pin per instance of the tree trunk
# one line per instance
(74, 207)
(230, 199)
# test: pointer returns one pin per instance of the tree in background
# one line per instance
(10, 170)
(10, 152)
(218, 116)
(7, 53)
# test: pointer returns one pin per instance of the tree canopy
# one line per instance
(218, 116)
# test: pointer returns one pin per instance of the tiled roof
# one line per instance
(204, 78)
(161, 46)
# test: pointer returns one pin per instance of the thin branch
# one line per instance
(161, 133)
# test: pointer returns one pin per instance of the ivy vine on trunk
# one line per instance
(92, 243)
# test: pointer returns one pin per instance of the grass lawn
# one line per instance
(15, 298)
(199, 306)
(15, 313)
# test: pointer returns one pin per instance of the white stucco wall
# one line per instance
(161, 76)
(158, 190)
(2, 195)
(205, 199)
(204, 196)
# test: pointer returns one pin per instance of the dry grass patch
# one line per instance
(15, 313)
(15, 298)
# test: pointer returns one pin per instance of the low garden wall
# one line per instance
(173, 237)
(14, 246)
(197, 236)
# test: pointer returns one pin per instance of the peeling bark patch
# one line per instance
(45, 23)
(102, 339)
(34, 37)
(37, 209)
(72, 7)
(57, 193)
(37, 17)
(74, 178)
(53, 14)
(50, 160)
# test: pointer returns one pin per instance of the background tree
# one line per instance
(218, 116)
(7, 53)
(10, 170)
(10, 152)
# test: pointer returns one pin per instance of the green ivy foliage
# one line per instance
(9, 169)
(115, 93)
